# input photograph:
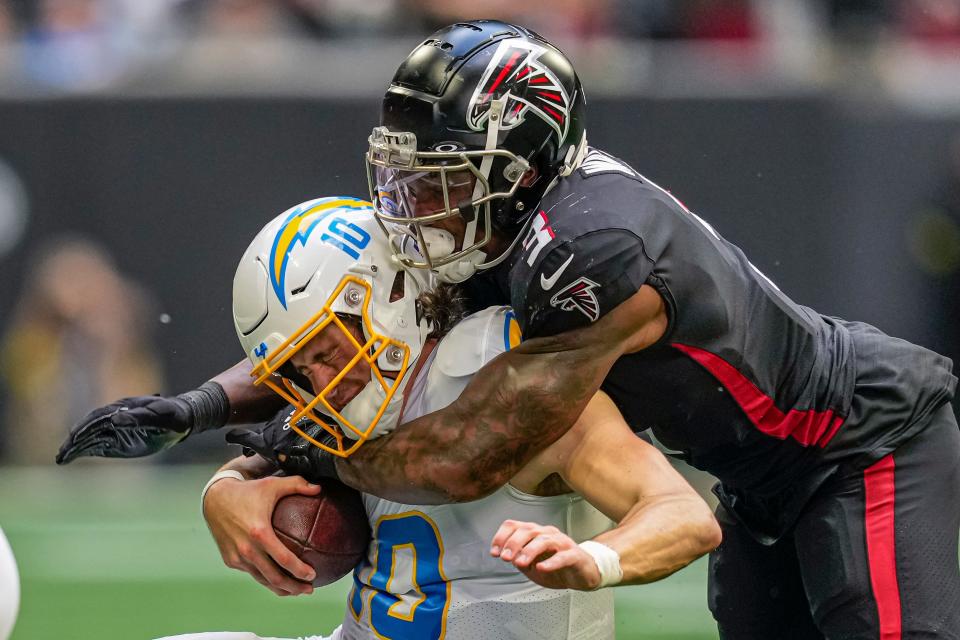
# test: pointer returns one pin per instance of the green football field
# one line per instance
(114, 551)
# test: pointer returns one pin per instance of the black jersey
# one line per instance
(767, 395)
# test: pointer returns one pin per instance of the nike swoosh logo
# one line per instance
(547, 283)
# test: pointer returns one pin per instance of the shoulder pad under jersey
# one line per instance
(476, 340)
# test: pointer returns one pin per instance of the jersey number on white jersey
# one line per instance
(408, 559)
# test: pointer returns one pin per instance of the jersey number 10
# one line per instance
(414, 537)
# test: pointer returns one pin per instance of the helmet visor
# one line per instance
(413, 204)
(405, 194)
(412, 190)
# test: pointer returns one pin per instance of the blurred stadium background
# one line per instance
(143, 143)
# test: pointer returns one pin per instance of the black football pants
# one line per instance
(873, 556)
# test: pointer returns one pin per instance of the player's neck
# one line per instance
(498, 245)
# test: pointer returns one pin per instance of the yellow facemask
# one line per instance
(376, 345)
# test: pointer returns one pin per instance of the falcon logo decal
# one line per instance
(515, 72)
(578, 296)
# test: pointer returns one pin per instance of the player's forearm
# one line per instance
(661, 537)
(518, 404)
(248, 403)
(252, 467)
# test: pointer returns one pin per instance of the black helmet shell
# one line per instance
(442, 93)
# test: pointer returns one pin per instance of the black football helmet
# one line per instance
(468, 114)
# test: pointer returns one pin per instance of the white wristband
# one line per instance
(608, 562)
(217, 477)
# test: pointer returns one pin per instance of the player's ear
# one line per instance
(529, 177)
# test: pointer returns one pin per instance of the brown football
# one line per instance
(328, 531)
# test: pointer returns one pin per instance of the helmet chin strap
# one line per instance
(460, 270)
(440, 244)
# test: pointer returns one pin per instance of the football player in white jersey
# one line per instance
(357, 343)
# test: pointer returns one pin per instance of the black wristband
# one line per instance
(209, 405)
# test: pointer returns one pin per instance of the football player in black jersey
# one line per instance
(834, 444)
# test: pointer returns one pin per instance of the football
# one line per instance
(328, 531)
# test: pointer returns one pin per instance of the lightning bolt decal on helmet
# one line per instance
(310, 270)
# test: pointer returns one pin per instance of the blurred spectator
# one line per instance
(719, 20)
(67, 45)
(858, 20)
(561, 19)
(687, 19)
(7, 25)
(936, 22)
(230, 45)
(89, 44)
(263, 19)
(647, 18)
(78, 339)
(570, 19)
(240, 18)
(332, 18)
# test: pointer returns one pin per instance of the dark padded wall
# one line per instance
(818, 196)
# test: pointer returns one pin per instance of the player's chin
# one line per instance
(345, 393)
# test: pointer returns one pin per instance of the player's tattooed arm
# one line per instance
(516, 405)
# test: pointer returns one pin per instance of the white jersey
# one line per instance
(429, 574)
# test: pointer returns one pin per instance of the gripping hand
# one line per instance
(144, 425)
(286, 449)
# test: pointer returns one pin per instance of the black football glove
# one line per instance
(286, 449)
(144, 425)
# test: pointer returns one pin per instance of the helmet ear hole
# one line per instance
(397, 291)
(529, 177)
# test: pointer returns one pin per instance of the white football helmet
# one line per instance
(313, 263)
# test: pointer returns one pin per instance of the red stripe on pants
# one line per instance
(880, 490)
